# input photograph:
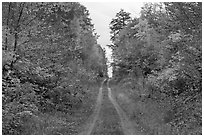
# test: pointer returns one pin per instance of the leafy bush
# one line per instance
(167, 57)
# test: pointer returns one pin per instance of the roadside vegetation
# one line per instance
(52, 67)
(157, 69)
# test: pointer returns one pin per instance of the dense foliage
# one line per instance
(161, 53)
(50, 57)
(121, 20)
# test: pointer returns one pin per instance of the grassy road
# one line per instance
(108, 122)
(108, 118)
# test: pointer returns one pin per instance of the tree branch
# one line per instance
(16, 34)
(7, 23)
(16, 28)
(183, 11)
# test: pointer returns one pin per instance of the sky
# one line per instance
(102, 13)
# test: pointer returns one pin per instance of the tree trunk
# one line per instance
(16, 31)
(7, 26)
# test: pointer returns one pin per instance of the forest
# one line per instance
(158, 58)
(51, 61)
(53, 67)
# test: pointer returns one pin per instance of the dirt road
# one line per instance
(108, 118)
(92, 120)
(108, 122)
(129, 127)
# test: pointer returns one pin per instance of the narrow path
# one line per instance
(108, 118)
(92, 120)
(129, 127)
(108, 122)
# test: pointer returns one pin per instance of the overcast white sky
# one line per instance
(102, 13)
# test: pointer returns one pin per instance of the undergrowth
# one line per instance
(159, 116)
(48, 123)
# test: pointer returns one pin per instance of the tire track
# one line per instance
(129, 128)
(108, 122)
(93, 118)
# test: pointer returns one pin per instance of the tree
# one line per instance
(164, 47)
(45, 63)
(119, 22)
(187, 14)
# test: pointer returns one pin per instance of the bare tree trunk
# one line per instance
(16, 31)
(17, 27)
(7, 23)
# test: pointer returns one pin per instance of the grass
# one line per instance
(59, 123)
(146, 112)
(158, 115)
(108, 122)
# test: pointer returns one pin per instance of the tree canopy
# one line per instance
(50, 56)
(162, 50)
(119, 22)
